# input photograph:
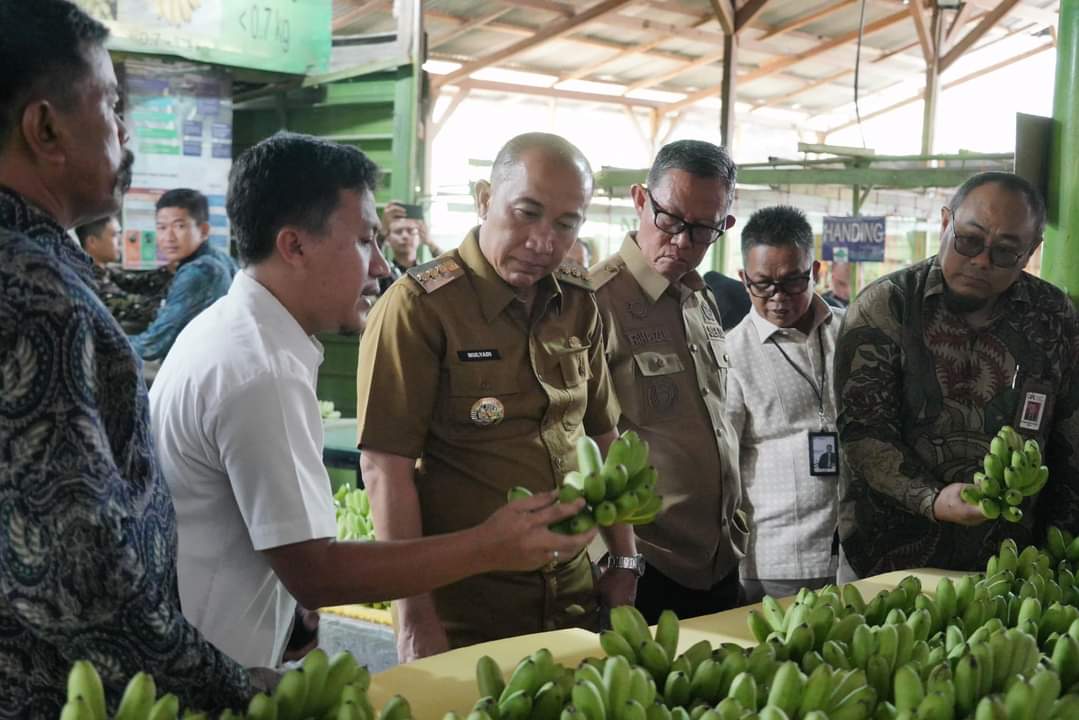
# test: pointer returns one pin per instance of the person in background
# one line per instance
(403, 238)
(256, 518)
(839, 294)
(668, 361)
(932, 361)
(731, 298)
(89, 534)
(202, 274)
(487, 365)
(780, 398)
(133, 297)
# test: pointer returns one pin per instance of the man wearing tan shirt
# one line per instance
(486, 365)
(668, 359)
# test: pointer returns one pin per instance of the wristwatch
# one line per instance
(633, 563)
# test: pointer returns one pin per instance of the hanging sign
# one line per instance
(853, 239)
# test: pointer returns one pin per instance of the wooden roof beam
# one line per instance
(656, 41)
(748, 13)
(958, 22)
(782, 63)
(724, 10)
(918, 16)
(828, 79)
(552, 31)
(786, 61)
(350, 16)
(987, 23)
(1024, 11)
(467, 27)
(807, 19)
(559, 93)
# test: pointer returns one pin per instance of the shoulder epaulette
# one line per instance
(574, 274)
(603, 272)
(437, 273)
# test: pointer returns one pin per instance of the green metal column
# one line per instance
(1060, 261)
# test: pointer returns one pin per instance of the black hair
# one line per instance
(778, 226)
(511, 152)
(290, 179)
(1012, 183)
(82, 232)
(696, 157)
(187, 199)
(43, 46)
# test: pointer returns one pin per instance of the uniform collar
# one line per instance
(495, 294)
(822, 315)
(653, 284)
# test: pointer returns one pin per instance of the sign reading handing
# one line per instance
(853, 239)
(288, 36)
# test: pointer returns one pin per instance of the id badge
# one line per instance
(1035, 407)
(823, 453)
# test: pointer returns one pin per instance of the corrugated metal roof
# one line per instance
(794, 53)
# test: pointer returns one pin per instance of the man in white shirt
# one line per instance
(781, 404)
(237, 426)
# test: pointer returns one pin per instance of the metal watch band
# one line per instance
(634, 563)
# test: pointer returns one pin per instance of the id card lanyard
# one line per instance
(817, 390)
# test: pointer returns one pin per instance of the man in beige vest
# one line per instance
(668, 359)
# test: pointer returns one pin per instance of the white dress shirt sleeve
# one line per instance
(269, 436)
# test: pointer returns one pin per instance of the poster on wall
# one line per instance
(287, 36)
(179, 116)
(853, 239)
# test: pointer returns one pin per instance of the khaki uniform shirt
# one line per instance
(448, 350)
(668, 358)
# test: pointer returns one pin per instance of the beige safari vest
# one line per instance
(667, 355)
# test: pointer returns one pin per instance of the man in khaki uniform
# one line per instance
(486, 365)
(668, 359)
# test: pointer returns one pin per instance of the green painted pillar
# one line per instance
(1060, 261)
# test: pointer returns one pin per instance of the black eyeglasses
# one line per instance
(670, 224)
(795, 285)
(972, 246)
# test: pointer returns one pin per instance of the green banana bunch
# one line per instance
(1012, 472)
(620, 489)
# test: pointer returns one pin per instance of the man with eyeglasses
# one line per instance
(668, 359)
(932, 361)
(202, 273)
(781, 405)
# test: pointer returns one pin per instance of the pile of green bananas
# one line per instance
(1013, 471)
(354, 521)
(322, 688)
(326, 411)
(620, 489)
(353, 509)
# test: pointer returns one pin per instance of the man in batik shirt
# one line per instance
(931, 362)
(87, 528)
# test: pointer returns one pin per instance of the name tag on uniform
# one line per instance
(478, 355)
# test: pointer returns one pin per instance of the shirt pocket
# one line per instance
(570, 377)
(462, 410)
(659, 387)
(571, 367)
